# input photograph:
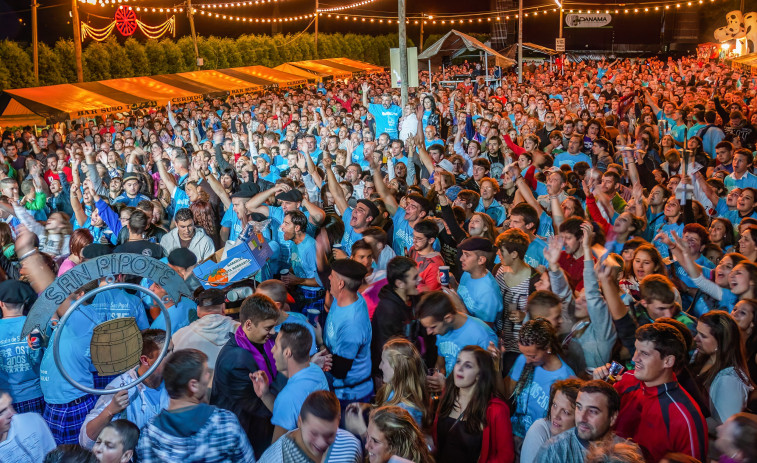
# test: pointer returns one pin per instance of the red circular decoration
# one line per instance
(126, 21)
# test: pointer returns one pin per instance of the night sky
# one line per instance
(54, 21)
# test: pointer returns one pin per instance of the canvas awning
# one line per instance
(455, 43)
(367, 67)
(512, 50)
(747, 63)
(272, 76)
(355, 71)
(57, 103)
(330, 71)
(311, 76)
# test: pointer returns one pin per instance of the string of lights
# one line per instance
(211, 11)
(345, 7)
(237, 4)
(229, 17)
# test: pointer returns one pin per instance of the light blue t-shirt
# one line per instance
(179, 314)
(474, 332)
(117, 303)
(748, 180)
(532, 403)
(75, 337)
(482, 297)
(387, 119)
(570, 160)
(403, 233)
(19, 364)
(678, 132)
(286, 407)
(414, 412)
(348, 334)
(546, 227)
(180, 200)
(303, 260)
(232, 222)
(535, 253)
(350, 235)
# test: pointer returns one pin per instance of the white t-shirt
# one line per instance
(29, 440)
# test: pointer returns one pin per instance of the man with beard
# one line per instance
(597, 408)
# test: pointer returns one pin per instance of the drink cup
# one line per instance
(444, 275)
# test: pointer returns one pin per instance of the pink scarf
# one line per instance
(244, 343)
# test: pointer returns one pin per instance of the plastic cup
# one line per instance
(444, 275)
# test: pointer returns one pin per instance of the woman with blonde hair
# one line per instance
(404, 380)
(393, 432)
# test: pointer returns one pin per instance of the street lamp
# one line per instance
(562, 58)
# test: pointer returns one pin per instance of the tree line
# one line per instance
(114, 58)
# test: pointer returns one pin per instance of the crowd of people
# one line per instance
(563, 269)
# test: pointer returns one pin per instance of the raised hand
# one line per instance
(553, 250)
(260, 383)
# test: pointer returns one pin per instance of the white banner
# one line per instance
(587, 20)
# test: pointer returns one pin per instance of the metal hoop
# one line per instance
(76, 304)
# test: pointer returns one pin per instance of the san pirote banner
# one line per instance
(588, 20)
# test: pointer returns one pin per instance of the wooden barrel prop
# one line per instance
(116, 346)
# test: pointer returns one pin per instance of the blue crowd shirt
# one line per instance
(546, 227)
(403, 233)
(350, 235)
(117, 303)
(231, 221)
(286, 407)
(133, 202)
(179, 314)
(348, 334)
(75, 338)
(570, 160)
(387, 119)
(535, 253)
(180, 200)
(19, 364)
(303, 260)
(532, 403)
(481, 296)
(748, 180)
(474, 332)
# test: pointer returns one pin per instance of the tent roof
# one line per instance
(367, 67)
(512, 50)
(311, 76)
(55, 103)
(264, 74)
(455, 42)
(321, 68)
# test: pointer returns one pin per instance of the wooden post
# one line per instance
(77, 40)
(403, 50)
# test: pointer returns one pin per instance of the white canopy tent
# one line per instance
(454, 44)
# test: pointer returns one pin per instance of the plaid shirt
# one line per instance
(221, 439)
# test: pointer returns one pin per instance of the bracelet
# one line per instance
(27, 254)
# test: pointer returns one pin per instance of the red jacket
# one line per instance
(660, 419)
(497, 443)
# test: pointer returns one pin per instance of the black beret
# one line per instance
(349, 268)
(258, 217)
(182, 257)
(210, 297)
(476, 243)
(373, 211)
(294, 195)
(95, 250)
(247, 190)
(16, 292)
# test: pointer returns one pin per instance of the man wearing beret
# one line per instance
(478, 289)
(291, 199)
(19, 364)
(356, 219)
(347, 334)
